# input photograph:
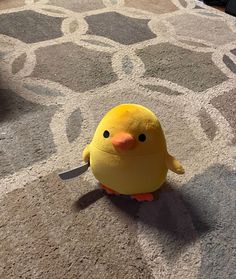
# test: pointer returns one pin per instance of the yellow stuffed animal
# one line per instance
(128, 153)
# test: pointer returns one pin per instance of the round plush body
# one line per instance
(128, 152)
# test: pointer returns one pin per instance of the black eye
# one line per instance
(106, 134)
(142, 137)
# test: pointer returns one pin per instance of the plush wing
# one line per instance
(86, 154)
(174, 165)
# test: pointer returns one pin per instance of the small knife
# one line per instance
(74, 173)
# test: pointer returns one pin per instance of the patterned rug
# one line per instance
(63, 64)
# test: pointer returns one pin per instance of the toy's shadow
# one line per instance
(170, 210)
(88, 199)
(172, 216)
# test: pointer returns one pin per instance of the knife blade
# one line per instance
(74, 172)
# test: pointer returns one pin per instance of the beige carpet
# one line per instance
(63, 64)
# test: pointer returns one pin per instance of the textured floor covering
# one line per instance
(63, 64)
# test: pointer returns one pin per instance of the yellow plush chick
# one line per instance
(128, 153)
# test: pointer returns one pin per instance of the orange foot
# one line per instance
(143, 197)
(109, 191)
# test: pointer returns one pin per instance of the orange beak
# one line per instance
(123, 141)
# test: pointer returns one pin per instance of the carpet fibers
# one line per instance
(63, 64)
